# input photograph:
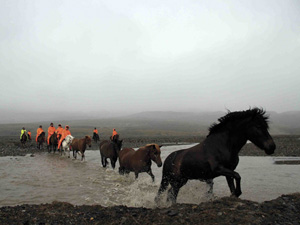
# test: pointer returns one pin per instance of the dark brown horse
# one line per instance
(40, 140)
(79, 145)
(217, 155)
(140, 160)
(96, 137)
(110, 150)
(53, 142)
(23, 139)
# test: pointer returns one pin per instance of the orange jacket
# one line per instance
(59, 131)
(51, 130)
(39, 131)
(96, 131)
(29, 133)
(65, 133)
(114, 133)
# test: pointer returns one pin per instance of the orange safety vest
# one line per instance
(38, 132)
(114, 133)
(29, 133)
(65, 133)
(95, 131)
(51, 131)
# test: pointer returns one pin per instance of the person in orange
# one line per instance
(59, 131)
(95, 131)
(65, 133)
(51, 131)
(113, 134)
(38, 132)
(29, 134)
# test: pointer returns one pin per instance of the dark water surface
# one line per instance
(51, 177)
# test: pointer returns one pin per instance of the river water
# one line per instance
(50, 177)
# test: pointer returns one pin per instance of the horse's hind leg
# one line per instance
(173, 191)
(163, 186)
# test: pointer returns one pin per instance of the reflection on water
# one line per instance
(50, 177)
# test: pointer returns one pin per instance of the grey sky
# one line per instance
(132, 56)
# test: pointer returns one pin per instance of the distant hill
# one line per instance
(156, 123)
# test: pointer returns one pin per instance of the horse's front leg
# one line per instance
(136, 174)
(230, 176)
(151, 175)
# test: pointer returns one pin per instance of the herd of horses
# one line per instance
(217, 155)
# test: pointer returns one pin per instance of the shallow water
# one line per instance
(51, 177)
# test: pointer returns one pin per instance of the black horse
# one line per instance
(53, 142)
(40, 140)
(110, 149)
(217, 155)
(23, 139)
(96, 137)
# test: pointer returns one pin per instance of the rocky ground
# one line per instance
(229, 210)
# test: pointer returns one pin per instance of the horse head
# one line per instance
(154, 152)
(88, 140)
(258, 133)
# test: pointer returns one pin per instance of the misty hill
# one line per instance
(157, 123)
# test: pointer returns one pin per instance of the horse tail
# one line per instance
(166, 174)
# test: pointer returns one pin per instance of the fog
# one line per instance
(130, 56)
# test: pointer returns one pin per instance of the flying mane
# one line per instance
(226, 121)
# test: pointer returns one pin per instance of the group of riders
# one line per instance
(60, 132)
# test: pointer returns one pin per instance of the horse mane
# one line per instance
(156, 146)
(230, 117)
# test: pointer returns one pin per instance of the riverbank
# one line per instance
(283, 210)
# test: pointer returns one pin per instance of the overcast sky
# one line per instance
(133, 56)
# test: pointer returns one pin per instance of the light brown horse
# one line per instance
(140, 160)
(79, 145)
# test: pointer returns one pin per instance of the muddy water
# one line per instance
(50, 177)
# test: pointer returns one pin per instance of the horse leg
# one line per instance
(210, 184)
(163, 186)
(230, 184)
(113, 163)
(230, 176)
(102, 159)
(173, 191)
(151, 175)
(121, 170)
(75, 154)
(136, 174)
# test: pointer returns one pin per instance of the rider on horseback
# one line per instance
(51, 131)
(65, 133)
(38, 132)
(22, 132)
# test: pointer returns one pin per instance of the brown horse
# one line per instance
(53, 142)
(79, 145)
(217, 155)
(110, 150)
(140, 160)
(40, 140)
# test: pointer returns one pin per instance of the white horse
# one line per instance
(66, 144)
